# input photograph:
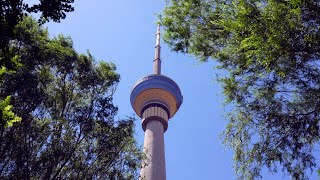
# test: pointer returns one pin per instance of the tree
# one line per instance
(7, 115)
(11, 13)
(64, 98)
(271, 51)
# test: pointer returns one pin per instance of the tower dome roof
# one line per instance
(156, 88)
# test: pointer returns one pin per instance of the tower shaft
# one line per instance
(154, 167)
(154, 123)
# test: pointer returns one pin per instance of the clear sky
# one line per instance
(123, 32)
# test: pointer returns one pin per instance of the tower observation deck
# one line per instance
(155, 99)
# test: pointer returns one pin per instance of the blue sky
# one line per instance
(123, 32)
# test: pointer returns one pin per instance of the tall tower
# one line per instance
(155, 99)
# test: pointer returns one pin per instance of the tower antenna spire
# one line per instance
(157, 60)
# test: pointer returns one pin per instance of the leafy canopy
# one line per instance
(271, 51)
(68, 128)
(11, 13)
(7, 116)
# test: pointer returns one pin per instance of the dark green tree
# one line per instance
(11, 13)
(271, 51)
(68, 128)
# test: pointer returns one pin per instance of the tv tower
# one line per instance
(155, 98)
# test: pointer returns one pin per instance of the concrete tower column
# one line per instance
(154, 123)
(155, 166)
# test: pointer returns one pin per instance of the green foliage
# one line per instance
(64, 99)
(271, 51)
(7, 117)
(11, 13)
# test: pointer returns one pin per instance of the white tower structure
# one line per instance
(155, 98)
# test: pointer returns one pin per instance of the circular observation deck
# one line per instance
(156, 89)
